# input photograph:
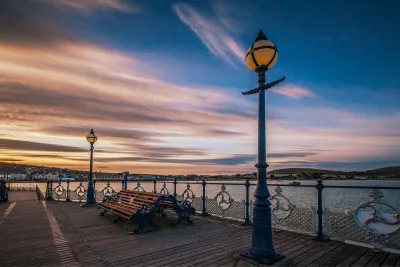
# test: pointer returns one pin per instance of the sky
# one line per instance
(160, 83)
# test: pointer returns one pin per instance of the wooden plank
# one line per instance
(346, 252)
(324, 255)
(305, 251)
(378, 259)
(353, 257)
(365, 258)
(391, 260)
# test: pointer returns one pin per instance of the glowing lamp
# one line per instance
(262, 53)
(91, 137)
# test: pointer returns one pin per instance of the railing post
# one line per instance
(94, 185)
(247, 203)
(2, 191)
(204, 199)
(175, 187)
(320, 232)
(49, 190)
(155, 186)
(67, 192)
(122, 184)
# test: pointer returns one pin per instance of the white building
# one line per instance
(14, 176)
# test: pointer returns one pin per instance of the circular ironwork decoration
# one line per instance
(280, 204)
(188, 194)
(224, 199)
(375, 216)
(80, 190)
(108, 190)
(164, 190)
(59, 190)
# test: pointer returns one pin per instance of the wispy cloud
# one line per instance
(213, 32)
(91, 5)
(293, 91)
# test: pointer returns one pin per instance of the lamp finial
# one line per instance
(261, 36)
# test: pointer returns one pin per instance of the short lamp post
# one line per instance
(260, 57)
(90, 198)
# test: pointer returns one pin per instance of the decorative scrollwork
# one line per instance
(282, 207)
(145, 208)
(375, 216)
(80, 190)
(224, 199)
(188, 194)
(164, 190)
(108, 190)
(59, 190)
(138, 188)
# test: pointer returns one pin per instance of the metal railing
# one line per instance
(363, 215)
(21, 187)
(3, 192)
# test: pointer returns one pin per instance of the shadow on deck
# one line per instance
(60, 233)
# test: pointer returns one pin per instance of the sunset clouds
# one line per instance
(56, 84)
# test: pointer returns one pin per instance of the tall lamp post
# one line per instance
(90, 199)
(260, 57)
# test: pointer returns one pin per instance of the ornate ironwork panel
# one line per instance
(281, 206)
(188, 194)
(164, 190)
(374, 222)
(108, 190)
(236, 209)
(139, 188)
(60, 191)
(79, 193)
(225, 206)
(287, 216)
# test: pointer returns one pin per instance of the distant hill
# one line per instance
(308, 171)
(304, 170)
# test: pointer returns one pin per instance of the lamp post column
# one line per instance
(90, 191)
(262, 230)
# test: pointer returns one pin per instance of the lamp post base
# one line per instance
(247, 256)
(89, 205)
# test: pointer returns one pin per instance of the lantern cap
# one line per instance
(261, 36)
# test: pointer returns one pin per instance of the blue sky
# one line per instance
(177, 68)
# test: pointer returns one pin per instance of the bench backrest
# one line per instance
(135, 198)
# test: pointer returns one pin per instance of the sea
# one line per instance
(333, 199)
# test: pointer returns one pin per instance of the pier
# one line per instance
(55, 233)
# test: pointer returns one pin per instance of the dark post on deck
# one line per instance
(49, 190)
(204, 199)
(247, 203)
(320, 212)
(90, 198)
(3, 192)
(68, 199)
(155, 186)
(260, 58)
(175, 187)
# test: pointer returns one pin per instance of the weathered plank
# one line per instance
(391, 260)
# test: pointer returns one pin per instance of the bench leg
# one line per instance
(188, 220)
(103, 213)
(145, 222)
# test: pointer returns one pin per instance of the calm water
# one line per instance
(335, 199)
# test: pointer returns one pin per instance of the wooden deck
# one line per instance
(34, 233)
